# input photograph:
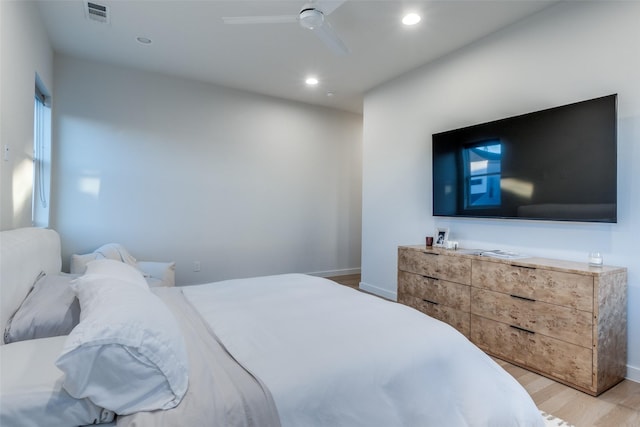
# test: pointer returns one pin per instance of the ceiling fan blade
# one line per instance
(327, 6)
(276, 19)
(329, 37)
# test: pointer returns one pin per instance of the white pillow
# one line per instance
(117, 270)
(32, 393)
(127, 354)
(50, 309)
(79, 263)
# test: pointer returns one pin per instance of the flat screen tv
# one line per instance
(557, 164)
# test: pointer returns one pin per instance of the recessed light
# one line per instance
(330, 94)
(411, 19)
(311, 81)
(143, 40)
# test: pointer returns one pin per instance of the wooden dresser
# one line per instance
(562, 319)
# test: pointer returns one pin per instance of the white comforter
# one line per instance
(332, 356)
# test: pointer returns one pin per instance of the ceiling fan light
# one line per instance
(311, 18)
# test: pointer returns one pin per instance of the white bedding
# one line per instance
(333, 356)
(221, 392)
(31, 388)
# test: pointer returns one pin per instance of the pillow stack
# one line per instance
(127, 354)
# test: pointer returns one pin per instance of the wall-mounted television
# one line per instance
(557, 164)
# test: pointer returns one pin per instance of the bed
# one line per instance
(287, 350)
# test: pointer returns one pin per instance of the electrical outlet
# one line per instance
(196, 265)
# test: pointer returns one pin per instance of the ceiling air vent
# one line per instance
(96, 12)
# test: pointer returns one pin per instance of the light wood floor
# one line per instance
(617, 407)
(350, 280)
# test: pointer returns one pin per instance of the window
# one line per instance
(482, 174)
(41, 158)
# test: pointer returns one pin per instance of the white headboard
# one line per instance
(24, 253)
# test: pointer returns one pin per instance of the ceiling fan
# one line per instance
(312, 16)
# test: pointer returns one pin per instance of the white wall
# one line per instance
(571, 52)
(24, 51)
(187, 171)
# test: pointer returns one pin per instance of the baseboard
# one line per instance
(379, 291)
(331, 273)
(633, 373)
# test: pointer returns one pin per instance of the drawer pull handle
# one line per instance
(430, 302)
(522, 329)
(522, 298)
(523, 266)
(431, 278)
(430, 253)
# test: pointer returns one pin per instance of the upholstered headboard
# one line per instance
(24, 253)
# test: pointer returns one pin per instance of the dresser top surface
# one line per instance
(532, 262)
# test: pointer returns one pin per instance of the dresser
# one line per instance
(562, 319)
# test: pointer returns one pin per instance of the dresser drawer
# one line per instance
(432, 264)
(559, 359)
(563, 323)
(443, 292)
(456, 318)
(555, 287)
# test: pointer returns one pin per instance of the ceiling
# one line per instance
(189, 39)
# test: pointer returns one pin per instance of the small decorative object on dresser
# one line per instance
(442, 235)
(562, 319)
(595, 259)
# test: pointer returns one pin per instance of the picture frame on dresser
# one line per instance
(442, 235)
